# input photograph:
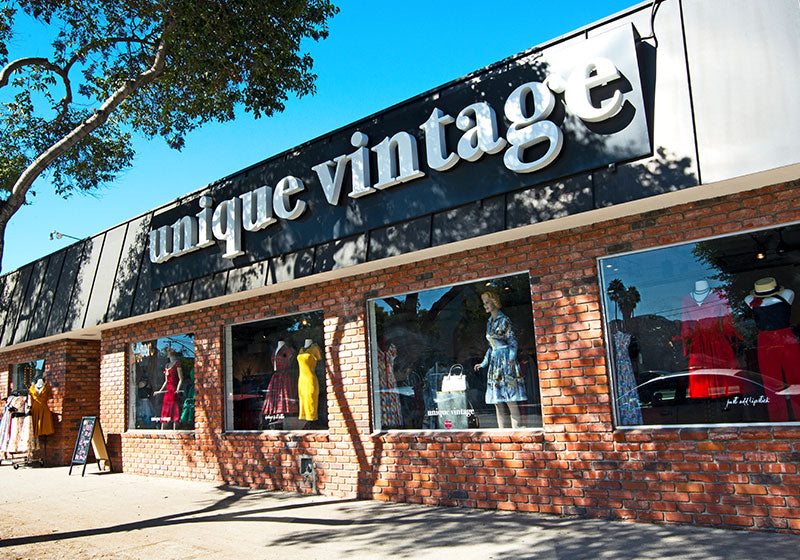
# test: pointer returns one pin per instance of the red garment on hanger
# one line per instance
(707, 331)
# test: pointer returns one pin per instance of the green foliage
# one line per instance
(220, 56)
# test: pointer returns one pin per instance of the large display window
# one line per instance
(162, 383)
(457, 357)
(275, 374)
(706, 332)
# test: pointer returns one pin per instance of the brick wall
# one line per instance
(576, 464)
(72, 370)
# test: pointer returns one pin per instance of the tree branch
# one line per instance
(17, 196)
(15, 65)
(81, 53)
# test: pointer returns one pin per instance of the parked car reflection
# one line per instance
(664, 397)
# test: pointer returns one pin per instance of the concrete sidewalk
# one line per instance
(44, 513)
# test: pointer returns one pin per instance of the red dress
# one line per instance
(281, 397)
(169, 410)
(707, 331)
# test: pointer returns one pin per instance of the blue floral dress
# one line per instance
(504, 383)
(630, 411)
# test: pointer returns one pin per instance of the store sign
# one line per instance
(540, 118)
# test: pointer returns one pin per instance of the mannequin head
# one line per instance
(308, 343)
(491, 302)
(39, 384)
(701, 286)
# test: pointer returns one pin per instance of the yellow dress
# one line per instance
(307, 384)
(42, 418)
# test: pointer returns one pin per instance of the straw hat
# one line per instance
(765, 287)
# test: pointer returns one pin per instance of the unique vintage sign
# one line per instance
(526, 122)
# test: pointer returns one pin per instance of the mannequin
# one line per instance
(707, 331)
(505, 387)
(40, 393)
(778, 348)
(173, 379)
(307, 384)
(281, 396)
(391, 409)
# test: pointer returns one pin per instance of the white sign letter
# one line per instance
(435, 144)
(227, 226)
(481, 136)
(280, 199)
(578, 94)
(528, 130)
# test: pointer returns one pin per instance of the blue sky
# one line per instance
(377, 54)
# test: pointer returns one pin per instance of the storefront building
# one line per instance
(561, 284)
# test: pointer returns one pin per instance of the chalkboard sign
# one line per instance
(90, 432)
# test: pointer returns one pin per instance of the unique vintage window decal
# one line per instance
(458, 357)
(706, 332)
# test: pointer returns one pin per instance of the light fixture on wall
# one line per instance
(58, 235)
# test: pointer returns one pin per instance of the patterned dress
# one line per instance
(630, 410)
(391, 410)
(281, 397)
(504, 382)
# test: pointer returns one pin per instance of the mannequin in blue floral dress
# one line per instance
(505, 386)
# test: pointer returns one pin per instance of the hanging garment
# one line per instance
(504, 382)
(144, 410)
(707, 331)
(391, 409)
(630, 410)
(169, 408)
(187, 413)
(20, 438)
(5, 423)
(41, 417)
(778, 355)
(307, 384)
(281, 397)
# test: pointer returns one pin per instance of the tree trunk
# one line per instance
(17, 197)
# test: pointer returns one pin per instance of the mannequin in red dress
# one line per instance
(707, 331)
(173, 379)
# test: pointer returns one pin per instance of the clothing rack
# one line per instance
(17, 442)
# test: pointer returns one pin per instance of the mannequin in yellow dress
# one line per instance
(40, 393)
(307, 384)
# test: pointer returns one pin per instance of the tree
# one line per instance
(625, 298)
(153, 67)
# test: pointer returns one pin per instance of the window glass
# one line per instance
(706, 332)
(24, 375)
(162, 383)
(458, 357)
(275, 374)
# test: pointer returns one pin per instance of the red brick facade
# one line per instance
(577, 464)
(72, 368)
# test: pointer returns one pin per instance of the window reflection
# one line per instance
(706, 332)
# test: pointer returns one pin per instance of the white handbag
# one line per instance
(455, 380)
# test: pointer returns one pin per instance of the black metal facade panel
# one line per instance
(247, 278)
(44, 305)
(107, 268)
(399, 239)
(146, 299)
(66, 284)
(472, 220)
(340, 254)
(291, 267)
(549, 202)
(15, 304)
(84, 280)
(129, 269)
(586, 145)
(7, 280)
(173, 296)
(209, 287)
(31, 300)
